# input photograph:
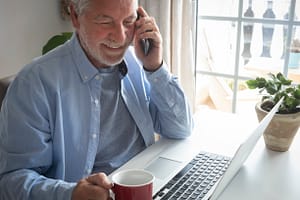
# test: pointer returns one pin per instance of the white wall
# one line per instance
(25, 26)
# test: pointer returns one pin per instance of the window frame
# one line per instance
(239, 20)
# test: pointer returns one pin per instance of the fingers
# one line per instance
(145, 25)
(95, 187)
(147, 28)
(142, 12)
(100, 179)
(86, 191)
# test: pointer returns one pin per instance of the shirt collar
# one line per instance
(85, 68)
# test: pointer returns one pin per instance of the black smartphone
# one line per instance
(145, 43)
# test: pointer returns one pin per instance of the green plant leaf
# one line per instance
(297, 93)
(67, 34)
(261, 82)
(55, 41)
(283, 80)
(272, 87)
(252, 84)
(277, 86)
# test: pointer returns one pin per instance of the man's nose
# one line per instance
(120, 33)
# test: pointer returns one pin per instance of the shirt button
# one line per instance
(96, 101)
(97, 77)
(94, 136)
(89, 171)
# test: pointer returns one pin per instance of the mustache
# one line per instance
(114, 44)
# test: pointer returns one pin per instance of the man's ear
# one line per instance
(74, 16)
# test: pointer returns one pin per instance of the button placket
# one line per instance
(94, 124)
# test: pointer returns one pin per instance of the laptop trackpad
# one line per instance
(163, 167)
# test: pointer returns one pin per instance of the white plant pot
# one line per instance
(280, 133)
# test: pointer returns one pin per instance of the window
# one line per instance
(241, 39)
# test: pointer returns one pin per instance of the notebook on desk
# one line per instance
(206, 175)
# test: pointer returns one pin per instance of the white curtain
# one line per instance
(175, 20)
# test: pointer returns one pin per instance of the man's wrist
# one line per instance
(155, 69)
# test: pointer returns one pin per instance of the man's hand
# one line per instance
(146, 28)
(94, 187)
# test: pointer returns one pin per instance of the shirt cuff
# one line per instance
(161, 75)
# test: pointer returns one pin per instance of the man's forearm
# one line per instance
(27, 184)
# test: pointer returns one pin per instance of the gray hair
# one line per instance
(80, 5)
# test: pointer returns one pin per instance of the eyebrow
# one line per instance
(100, 17)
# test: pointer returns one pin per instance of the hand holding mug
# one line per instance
(96, 186)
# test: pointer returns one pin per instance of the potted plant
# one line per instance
(283, 127)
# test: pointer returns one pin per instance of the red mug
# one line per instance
(133, 184)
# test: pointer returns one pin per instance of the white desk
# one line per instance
(266, 175)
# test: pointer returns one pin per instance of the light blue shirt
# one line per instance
(116, 122)
(50, 120)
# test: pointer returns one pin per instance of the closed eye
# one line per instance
(103, 20)
(129, 22)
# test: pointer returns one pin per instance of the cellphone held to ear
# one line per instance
(145, 43)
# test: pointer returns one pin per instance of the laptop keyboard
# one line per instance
(196, 179)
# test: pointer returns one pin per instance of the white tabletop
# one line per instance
(266, 175)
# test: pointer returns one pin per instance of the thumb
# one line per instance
(100, 179)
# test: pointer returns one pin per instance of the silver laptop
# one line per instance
(165, 164)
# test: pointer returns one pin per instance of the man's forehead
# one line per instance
(119, 2)
(101, 9)
(109, 6)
